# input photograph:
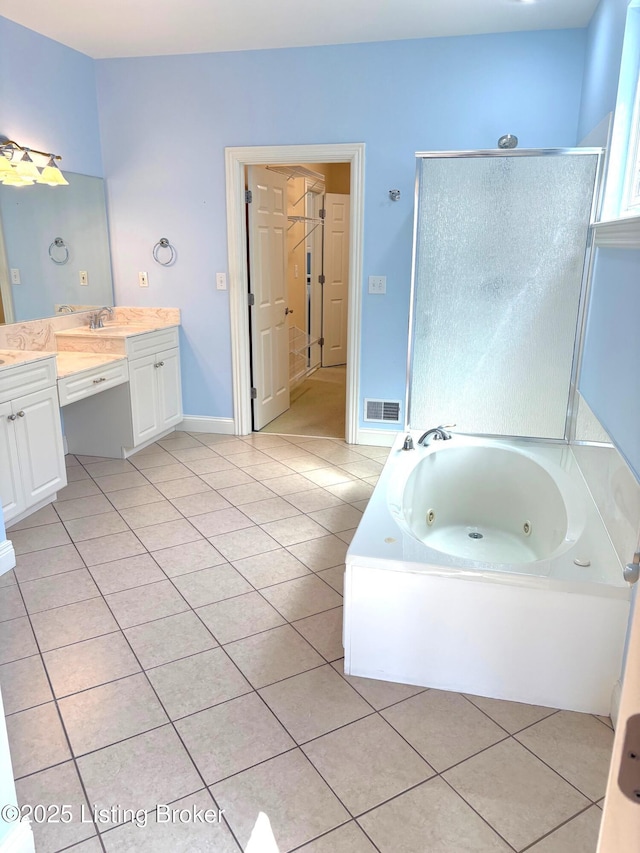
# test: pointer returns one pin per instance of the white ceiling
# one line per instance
(115, 28)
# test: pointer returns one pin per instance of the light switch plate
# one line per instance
(221, 281)
(143, 279)
(15, 276)
(377, 284)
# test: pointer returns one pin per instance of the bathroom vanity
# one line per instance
(141, 372)
(116, 389)
(32, 467)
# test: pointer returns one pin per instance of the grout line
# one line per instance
(556, 828)
(62, 725)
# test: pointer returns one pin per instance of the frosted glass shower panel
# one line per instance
(499, 260)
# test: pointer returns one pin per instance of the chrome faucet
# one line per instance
(95, 321)
(65, 309)
(408, 442)
(439, 434)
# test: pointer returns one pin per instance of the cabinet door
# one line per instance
(39, 438)
(143, 387)
(11, 494)
(169, 388)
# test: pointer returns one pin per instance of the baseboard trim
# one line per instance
(20, 838)
(377, 437)
(7, 556)
(193, 423)
(615, 703)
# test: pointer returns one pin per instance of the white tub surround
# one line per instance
(534, 609)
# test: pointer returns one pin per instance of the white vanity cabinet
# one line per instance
(121, 419)
(32, 467)
(156, 398)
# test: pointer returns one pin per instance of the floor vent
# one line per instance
(382, 411)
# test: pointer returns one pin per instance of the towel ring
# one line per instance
(59, 243)
(163, 243)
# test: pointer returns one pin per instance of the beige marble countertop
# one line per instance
(115, 330)
(13, 357)
(69, 363)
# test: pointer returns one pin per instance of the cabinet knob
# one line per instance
(20, 414)
(11, 417)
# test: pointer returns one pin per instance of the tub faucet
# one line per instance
(96, 319)
(408, 443)
(439, 433)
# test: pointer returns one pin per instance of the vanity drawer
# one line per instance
(93, 381)
(151, 342)
(27, 378)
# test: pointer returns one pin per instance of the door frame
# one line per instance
(264, 155)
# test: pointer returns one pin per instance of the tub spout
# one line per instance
(439, 433)
(408, 443)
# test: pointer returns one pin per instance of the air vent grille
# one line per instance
(382, 411)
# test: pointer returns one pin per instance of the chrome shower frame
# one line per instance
(585, 287)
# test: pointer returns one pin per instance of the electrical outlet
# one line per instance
(221, 281)
(143, 279)
(15, 276)
(377, 284)
(84, 278)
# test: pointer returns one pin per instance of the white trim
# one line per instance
(5, 282)
(193, 423)
(617, 233)
(7, 557)
(377, 437)
(235, 161)
(20, 839)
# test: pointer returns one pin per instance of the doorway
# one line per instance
(298, 254)
(236, 160)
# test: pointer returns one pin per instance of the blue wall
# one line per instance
(610, 379)
(397, 97)
(48, 98)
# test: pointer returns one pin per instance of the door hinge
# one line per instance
(248, 196)
(322, 214)
(251, 299)
(254, 393)
(321, 279)
(321, 341)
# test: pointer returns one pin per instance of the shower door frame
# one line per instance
(585, 285)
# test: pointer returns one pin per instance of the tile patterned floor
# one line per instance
(172, 634)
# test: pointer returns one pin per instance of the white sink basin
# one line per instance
(115, 329)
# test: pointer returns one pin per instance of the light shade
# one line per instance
(5, 164)
(13, 179)
(52, 176)
(26, 168)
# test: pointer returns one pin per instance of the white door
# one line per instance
(39, 440)
(336, 285)
(267, 234)
(11, 496)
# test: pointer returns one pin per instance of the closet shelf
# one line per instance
(300, 341)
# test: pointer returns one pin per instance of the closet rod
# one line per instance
(308, 234)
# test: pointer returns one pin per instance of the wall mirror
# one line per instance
(54, 249)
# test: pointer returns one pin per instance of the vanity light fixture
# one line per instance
(22, 166)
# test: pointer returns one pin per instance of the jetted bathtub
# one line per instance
(484, 567)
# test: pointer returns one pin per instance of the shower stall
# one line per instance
(500, 254)
(481, 563)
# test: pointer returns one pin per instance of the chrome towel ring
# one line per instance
(163, 243)
(59, 243)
